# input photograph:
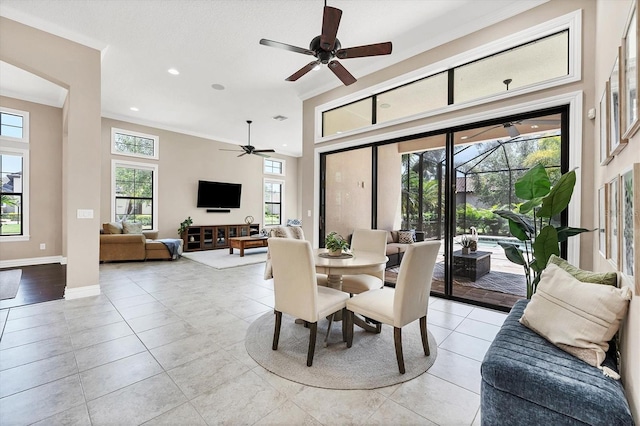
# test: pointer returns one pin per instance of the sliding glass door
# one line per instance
(446, 186)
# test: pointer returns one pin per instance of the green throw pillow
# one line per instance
(608, 278)
(131, 228)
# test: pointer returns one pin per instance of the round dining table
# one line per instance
(351, 263)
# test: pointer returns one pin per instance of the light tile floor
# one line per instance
(164, 344)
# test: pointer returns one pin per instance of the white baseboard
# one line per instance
(33, 261)
(79, 292)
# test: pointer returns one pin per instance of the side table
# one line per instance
(472, 265)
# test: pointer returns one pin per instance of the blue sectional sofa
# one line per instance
(526, 380)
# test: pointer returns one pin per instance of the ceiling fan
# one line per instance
(250, 149)
(326, 47)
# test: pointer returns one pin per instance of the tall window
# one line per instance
(273, 202)
(135, 193)
(134, 144)
(14, 175)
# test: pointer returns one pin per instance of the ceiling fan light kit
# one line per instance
(326, 48)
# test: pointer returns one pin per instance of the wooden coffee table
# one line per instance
(242, 243)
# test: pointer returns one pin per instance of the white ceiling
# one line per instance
(216, 42)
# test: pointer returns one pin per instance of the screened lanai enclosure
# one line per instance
(446, 186)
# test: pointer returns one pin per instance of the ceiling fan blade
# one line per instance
(367, 50)
(233, 150)
(288, 47)
(263, 150)
(244, 153)
(511, 130)
(330, 23)
(483, 131)
(302, 71)
(342, 73)
(261, 154)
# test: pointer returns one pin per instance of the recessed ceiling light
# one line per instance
(173, 71)
(217, 86)
(284, 144)
(134, 109)
(385, 106)
(280, 117)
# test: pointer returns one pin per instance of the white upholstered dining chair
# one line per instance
(404, 304)
(297, 292)
(372, 241)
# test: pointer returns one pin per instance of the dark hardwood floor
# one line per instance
(39, 283)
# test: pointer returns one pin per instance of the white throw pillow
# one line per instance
(579, 318)
(131, 228)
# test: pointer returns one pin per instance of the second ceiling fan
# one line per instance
(326, 47)
(250, 149)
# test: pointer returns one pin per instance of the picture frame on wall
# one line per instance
(629, 220)
(630, 77)
(605, 156)
(612, 224)
(616, 143)
(602, 221)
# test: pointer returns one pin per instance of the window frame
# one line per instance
(135, 165)
(281, 182)
(156, 144)
(278, 160)
(19, 146)
(571, 22)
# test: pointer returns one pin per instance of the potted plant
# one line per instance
(184, 225)
(531, 222)
(335, 244)
(465, 242)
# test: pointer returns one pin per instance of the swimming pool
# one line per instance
(489, 241)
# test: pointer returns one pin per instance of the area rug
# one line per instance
(503, 282)
(370, 362)
(221, 259)
(9, 283)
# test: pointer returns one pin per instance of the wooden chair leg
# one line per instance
(276, 331)
(397, 339)
(313, 331)
(345, 321)
(349, 327)
(423, 334)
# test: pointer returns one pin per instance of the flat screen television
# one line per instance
(219, 194)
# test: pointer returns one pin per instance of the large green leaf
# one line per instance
(522, 221)
(513, 253)
(533, 184)
(565, 232)
(530, 205)
(517, 230)
(545, 244)
(559, 197)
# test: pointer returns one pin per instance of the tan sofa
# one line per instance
(120, 247)
(396, 249)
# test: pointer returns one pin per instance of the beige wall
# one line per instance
(45, 186)
(186, 159)
(610, 24)
(77, 68)
(601, 34)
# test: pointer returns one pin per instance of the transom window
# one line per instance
(11, 125)
(273, 166)
(135, 193)
(134, 144)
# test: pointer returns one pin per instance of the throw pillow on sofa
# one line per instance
(579, 318)
(607, 278)
(131, 228)
(112, 228)
(405, 237)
